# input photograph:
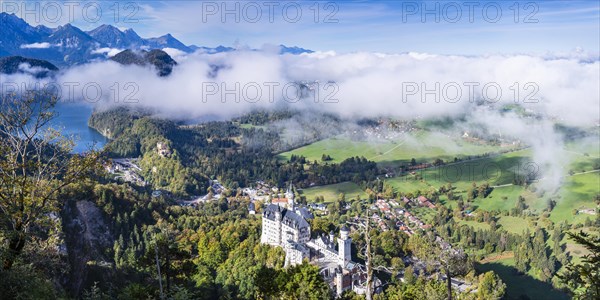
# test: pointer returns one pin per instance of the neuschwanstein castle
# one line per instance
(285, 225)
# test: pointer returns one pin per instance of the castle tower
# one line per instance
(287, 246)
(339, 282)
(289, 194)
(344, 245)
(278, 216)
(332, 239)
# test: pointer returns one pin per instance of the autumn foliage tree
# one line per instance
(35, 164)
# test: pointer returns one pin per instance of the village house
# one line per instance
(423, 201)
(318, 207)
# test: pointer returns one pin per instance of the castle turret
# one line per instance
(289, 194)
(331, 239)
(344, 245)
(339, 282)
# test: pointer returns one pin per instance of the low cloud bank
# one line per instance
(356, 85)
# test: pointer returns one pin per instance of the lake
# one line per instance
(72, 118)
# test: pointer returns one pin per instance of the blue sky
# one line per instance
(483, 27)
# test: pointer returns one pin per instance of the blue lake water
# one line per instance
(72, 119)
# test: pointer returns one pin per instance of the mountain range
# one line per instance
(68, 45)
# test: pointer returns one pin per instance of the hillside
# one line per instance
(159, 59)
(18, 64)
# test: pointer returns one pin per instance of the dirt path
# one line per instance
(592, 171)
(503, 185)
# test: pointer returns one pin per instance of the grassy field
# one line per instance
(476, 225)
(577, 193)
(426, 214)
(587, 148)
(422, 146)
(250, 126)
(497, 170)
(517, 285)
(332, 191)
(501, 198)
(514, 224)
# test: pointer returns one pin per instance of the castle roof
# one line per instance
(271, 212)
(287, 217)
(294, 220)
(298, 246)
(305, 213)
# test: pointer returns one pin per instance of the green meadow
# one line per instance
(423, 146)
(577, 193)
(476, 225)
(332, 191)
(514, 225)
(499, 171)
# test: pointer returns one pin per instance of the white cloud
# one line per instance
(369, 85)
(28, 69)
(109, 52)
(176, 54)
(36, 46)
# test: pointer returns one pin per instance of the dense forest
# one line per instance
(208, 252)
